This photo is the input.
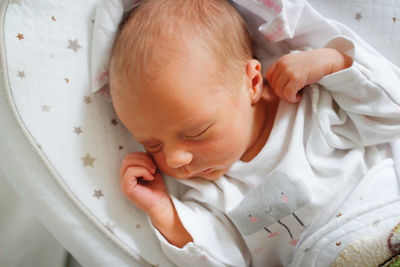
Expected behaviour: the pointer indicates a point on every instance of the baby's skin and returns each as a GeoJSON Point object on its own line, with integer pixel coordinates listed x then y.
{"type": "Point", "coordinates": [192, 125]}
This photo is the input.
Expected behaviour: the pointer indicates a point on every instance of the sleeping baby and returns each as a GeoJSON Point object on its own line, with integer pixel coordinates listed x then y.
{"type": "Point", "coordinates": [267, 157]}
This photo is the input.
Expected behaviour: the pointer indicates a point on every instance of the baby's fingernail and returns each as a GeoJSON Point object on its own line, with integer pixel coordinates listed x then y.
{"type": "Point", "coordinates": [153, 170]}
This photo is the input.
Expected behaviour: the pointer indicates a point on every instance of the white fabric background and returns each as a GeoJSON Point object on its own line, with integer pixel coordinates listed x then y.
{"type": "Point", "coordinates": [23, 239]}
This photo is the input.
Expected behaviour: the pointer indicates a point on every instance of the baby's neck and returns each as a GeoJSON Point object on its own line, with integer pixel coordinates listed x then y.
{"type": "Point", "coordinates": [264, 116]}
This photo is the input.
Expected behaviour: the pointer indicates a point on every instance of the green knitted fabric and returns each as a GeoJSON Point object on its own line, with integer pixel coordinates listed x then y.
{"type": "Point", "coordinates": [394, 262]}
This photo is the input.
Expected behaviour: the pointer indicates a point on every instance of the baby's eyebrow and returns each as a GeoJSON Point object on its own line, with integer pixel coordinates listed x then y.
{"type": "Point", "coordinates": [143, 140]}
{"type": "Point", "coordinates": [146, 141]}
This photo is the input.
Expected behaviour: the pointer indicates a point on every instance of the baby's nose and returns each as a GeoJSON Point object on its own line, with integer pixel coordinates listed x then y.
{"type": "Point", "coordinates": [179, 158]}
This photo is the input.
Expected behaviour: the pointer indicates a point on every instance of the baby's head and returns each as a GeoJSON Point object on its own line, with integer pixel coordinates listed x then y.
{"type": "Point", "coordinates": [184, 83]}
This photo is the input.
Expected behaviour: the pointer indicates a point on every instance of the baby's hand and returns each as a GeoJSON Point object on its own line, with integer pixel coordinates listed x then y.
{"type": "Point", "coordinates": [292, 72]}
{"type": "Point", "coordinates": [141, 183]}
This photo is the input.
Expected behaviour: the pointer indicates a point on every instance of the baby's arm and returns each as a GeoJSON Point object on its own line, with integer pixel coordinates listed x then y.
{"type": "Point", "coordinates": [359, 105]}
{"type": "Point", "coordinates": [215, 240]}
{"type": "Point", "coordinates": [145, 187]}
{"type": "Point", "coordinates": [292, 72]}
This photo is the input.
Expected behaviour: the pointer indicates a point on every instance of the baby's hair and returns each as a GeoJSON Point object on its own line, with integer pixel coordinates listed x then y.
{"type": "Point", "coordinates": [153, 30]}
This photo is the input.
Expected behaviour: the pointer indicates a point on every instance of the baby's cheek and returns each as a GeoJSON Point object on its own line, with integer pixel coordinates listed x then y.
{"type": "Point", "coordinates": [159, 160]}
{"type": "Point", "coordinates": [225, 149]}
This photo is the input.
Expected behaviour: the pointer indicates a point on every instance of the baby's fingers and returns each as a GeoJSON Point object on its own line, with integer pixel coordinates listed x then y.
{"type": "Point", "coordinates": [130, 178]}
{"type": "Point", "coordinates": [137, 160]}
{"type": "Point", "coordinates": [290, 92]}
{"type": "Point", "coordinates": [143, 195]}
{"type": "Point", "coordinates": [279, 85]}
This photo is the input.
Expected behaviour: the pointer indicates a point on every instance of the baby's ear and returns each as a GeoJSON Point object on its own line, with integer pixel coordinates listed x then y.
{"type": "Point", "coordinates": [254, 80]}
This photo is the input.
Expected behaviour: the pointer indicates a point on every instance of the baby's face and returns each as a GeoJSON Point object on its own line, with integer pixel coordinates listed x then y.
{"type": "Point", "coordinates": [192, 124]}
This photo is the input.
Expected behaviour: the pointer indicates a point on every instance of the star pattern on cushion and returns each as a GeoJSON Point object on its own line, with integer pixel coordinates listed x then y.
{"type": "Point", "coordinates": [21, 74]}
{"type": "Point", "coordinates": [88, 160]}
{"type": "Point", "coordinates": [98, 194]}
{"type": "Point", "coordinates": [358, 16]}
{"type": "Point", "coordinates": [376, 222]}
{"type": "Point", "coordinates": [87, 100]}
{"type": "Point", "coordinates": [46, 108]}
{"type": "Point", "coordinates": [77, 130]}
{"type": "Point", "coordinates": [74, 45]}
{"type": "Point", "coordinates": [20, 36]}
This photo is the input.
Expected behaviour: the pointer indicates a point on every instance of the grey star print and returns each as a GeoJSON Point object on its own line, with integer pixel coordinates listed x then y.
{"type": "Point", "coordinates": [21, 74]}
{"type": "Point", "coordinates": [88, 160]}
{"type": "Point", "coordinates": [74, 45]}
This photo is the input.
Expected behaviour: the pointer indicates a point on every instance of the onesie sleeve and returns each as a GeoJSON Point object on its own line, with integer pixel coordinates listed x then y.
{"type": "Point", "coordinates": [216, 242]}
{"type": "Point", "coordinates": [361, 104]}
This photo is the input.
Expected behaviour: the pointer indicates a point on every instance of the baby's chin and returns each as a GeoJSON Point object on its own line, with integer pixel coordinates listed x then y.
{"type": "Point", "coordinates": [214, 175]}
{"type": "Point", "coordinates": [211, 175]}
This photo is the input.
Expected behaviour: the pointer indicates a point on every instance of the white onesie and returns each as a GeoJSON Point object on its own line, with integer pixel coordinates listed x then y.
{"type": "Point", "coordinates": [325, 160]}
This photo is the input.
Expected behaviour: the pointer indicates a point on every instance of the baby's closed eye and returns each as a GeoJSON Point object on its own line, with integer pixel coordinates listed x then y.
{"type": "Point", "coordinates": [153, 147]}
{"type": "Point", "coordinates": [198, 134]}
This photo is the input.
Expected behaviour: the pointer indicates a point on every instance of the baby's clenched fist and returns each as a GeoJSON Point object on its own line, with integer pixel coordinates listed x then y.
{"type": "Point", "coordinates": [141, 183]}
{"type": "Point", "coordinates": [292, 72]}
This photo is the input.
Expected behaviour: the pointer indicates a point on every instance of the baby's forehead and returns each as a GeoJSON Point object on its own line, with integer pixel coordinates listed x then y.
{"type": "Point", "coordinates": [178, 95]}
{"type": "Point", "coordinates": [164, 113]}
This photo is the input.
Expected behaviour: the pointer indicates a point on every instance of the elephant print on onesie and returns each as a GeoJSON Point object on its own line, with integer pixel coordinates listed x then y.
{"type": "Point", "coordinates": [279, 196]}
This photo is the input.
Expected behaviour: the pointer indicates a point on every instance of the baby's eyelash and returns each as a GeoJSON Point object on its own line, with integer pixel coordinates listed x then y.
{"type": "Point", "coordinates": [155, 146]}
{"type": "Point", "coordinates": [151, 149]}
{"type": "Point", "coordinates": [199, 134]}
